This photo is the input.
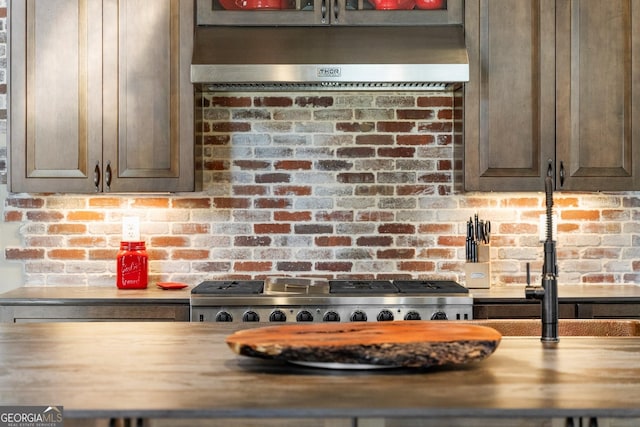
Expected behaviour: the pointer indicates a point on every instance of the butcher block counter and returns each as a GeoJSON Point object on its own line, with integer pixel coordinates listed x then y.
{"type": "Point", "coordinates": [185, 370]}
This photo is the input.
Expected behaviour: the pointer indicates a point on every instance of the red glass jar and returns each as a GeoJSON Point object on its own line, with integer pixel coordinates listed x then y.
{"type": "Point", "coordinates": [133, 265]}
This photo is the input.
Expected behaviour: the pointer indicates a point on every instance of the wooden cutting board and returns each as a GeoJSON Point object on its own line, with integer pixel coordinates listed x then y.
{"type": "Point", "coordinates": [415, 344]}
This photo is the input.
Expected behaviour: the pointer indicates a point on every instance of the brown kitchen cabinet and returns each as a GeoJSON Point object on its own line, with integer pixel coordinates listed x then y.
{"type": "Point", "coordinates": [322, 12]}
{"type": "Point", "coordinates": [100, 96]}
{"type": "Point", "coordinates": [608, 310]}
{"type": "Point", "coordinates": [528, 309]}
{"type": "Point", "coordinates": [93, 304]}
{"type": "Point", "coordinates": [70, 312]}
{"type": "Point", "coordinates": [522, 310]}
{"type": "Point", "coordinates": [553, 84]}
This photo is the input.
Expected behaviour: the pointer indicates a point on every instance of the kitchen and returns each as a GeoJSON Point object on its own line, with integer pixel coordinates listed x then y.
{"type": "Point", "coordinates": [331, 184]}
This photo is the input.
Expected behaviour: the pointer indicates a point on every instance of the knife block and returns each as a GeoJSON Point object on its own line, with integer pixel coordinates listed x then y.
{"type": "Point", "coordinates": [478, 274]}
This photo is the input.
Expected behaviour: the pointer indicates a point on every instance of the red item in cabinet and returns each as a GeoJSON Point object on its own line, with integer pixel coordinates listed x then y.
{"type": "Point", "coordinates": [133, 265]}
{"type": "Point", "coordinates": [253, 4]}
{"type": "Point", "coordinates": [430, 4]}
{"type": "Point", "coordinates": [393, 4]}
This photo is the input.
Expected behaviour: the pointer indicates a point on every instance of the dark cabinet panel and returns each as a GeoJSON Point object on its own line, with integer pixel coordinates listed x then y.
{"type": "Point", "coordinates": [608, 311]}
{"type": "Point", "coordinates": [597, 52]}
{"type": "Point", "coordinates": [566, 310]}
{"type": "Point", "coordinates": [100, 98]}
{"type": "Point", "coordinates": [553, 84]}
{"type": "Point", "coordinates": [509, 106]}
{"type": "Point", "coordinates": [32, 313]}
{"type": "Point", "coordinates": [55, 110]}
{"type": "Point", "coordinates": [525, 310]}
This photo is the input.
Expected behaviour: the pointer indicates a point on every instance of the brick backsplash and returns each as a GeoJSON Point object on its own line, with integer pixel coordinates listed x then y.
{"type": "Point", "coordinates": [3, 87]}
{"type": "Point", "coordinates": [323, 184]}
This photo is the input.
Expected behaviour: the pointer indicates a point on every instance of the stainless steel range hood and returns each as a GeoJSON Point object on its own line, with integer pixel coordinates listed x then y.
{"type": "Point", "coordinates": [329, 58]}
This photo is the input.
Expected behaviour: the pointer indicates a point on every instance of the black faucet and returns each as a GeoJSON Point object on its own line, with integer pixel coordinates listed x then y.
{"type": "Point", "coordinates": [548, 292]}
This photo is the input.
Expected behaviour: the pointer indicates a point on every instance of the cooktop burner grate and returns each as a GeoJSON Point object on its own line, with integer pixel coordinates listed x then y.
{"type": "Point", "coordinates": [337, 287]}
{"type": "Point", "coordinates": [430, 287]}
{"type": "Point", "coordinates": [362, 287]}
{"type": "Point", "coordinates": [229, 287]}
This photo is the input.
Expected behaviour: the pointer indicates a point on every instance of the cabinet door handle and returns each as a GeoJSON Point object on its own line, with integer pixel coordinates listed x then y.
{"type": "Point", "coordinates": [336, 10]}
{"type": "Point", "coordinates": [96, 177]}
{"type": "Point", "coordinates": [561, 174]}
{"type": "Point", "coordinates": [107, 176]}
{"type": "Point", "coordinates": [323, 11]}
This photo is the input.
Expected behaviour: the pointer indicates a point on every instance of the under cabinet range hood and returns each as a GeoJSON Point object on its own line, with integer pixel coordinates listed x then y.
{"type": "Point", "coordinates": [329, 58]}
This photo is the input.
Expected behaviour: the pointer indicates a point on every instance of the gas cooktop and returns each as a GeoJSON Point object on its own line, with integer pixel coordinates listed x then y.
{"type": "Point", "coordinates": [292, 285]}
{"type": "Point", "coordinates": [291, 299]}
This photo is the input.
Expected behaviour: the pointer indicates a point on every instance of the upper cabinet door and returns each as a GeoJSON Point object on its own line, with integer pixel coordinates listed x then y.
{"type": "Point", "coordinates": [100, 96]}
{"type": "Point", "coordinates": [55, 91]}
{"type": "Point", "coordinates": [329, 12]}
{"type": "Point", "coordinates": [598, 105]}
{"type": "Point", "coordinates": [509, 99]}
{"type": "Point", "coordinates": [148, 96]}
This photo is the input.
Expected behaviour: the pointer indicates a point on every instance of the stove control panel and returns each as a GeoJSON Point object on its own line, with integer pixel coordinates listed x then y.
{"type": "Point", "coordinates": [300, 314]}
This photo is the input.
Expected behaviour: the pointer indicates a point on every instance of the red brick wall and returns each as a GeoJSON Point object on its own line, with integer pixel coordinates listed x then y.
{"type": "Point", "coordinates": [323, 184]}
{"type": "Point", "coordinates": [3, 88]}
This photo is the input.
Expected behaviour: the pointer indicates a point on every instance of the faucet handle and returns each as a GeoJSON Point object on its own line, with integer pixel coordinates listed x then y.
{"type": "Point", "coordinates": [532, 292]}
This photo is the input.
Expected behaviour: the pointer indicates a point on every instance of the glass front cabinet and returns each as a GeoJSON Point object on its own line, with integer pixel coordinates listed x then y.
{"type": "Point", "coordinates": [329, 12]}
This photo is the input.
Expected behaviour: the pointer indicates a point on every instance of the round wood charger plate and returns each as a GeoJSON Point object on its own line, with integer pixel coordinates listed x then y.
{"type": "Point", "coordinates": [412, 344]}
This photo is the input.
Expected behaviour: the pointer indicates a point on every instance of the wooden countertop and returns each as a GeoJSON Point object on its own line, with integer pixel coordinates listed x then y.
{"type": "Point", "coordinates": [157, 370]}
{"type": "Point", "coordinates": [55, 295]}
